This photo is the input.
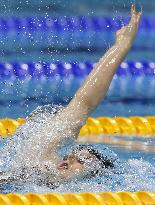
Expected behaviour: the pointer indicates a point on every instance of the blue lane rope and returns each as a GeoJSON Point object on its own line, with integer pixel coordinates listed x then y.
{"type": "Point", "coordinates": [61, 80]}
{"type": "Point", "coordinates": [37, 70]}
{"type": "Point", "coordinates": [100, 23]}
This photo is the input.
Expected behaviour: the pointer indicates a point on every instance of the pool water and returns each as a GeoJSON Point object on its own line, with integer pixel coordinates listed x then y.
{"type": "Point", "coordinates": [134, 165]}
{"type": "Point", "coordinates": [136, 172]}
{"type": "Point", "coordinates": [29, 44]}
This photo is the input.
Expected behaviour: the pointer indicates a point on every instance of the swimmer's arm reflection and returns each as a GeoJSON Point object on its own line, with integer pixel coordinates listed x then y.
{"type": "Point", "coordinates": [96, 84]}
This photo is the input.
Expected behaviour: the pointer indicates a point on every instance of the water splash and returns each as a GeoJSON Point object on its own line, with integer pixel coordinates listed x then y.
{"type": "Point", "coordinates": [29, 147]}
{"type": "Point", "coordinates": [28, 150]}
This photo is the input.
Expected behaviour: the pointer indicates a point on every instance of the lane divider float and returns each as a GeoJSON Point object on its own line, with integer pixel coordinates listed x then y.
{"type": "Point", "coordinates": [80, 69]}
{"type": "Point", "coordinates": [67, 24]}
{"type": "Point", "coordinates": [102, 198]}
{"type": "Point", "coordinates": [126, 126]}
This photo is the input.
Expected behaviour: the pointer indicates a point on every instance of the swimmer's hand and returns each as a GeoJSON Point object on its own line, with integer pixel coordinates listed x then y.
{"type": "Point", "coordinates": [126, 34]}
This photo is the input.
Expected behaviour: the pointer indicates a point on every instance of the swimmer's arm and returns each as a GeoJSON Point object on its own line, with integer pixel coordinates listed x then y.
{"type": "Point", "coordinates": [96, 84]}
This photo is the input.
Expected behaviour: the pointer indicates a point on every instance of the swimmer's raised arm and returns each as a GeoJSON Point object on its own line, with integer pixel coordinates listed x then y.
{"type": "Point", "coordinates": [96, 84]}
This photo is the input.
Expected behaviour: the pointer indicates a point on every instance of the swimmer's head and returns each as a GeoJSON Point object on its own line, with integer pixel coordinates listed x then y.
{"type": "Point", "coordinates": [86, 158]}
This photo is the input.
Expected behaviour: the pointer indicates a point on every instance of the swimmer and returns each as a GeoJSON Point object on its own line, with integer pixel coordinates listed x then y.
{"type": "Point", "coordinates": [74, 116]}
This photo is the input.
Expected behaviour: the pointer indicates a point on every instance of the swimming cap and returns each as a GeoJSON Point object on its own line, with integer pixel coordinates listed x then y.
{"type": "Point", "coordinates": [104, 154]}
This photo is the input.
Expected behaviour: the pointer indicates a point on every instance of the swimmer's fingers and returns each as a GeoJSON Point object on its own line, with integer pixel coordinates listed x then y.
{"type": "Point", "coordinates": [129, 31]}
{"type": "Point", "coordinates": [133, 10]}
{"type": "Point", "coordinates": [135, 17]}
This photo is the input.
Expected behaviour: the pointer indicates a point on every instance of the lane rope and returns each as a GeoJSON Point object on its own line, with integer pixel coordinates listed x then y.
{"type": "Point", "coordinates": [86, 198]}
{"type": "Point", "coordinates": [81, 69]}
{"type": "Point", "coordinates": [63, 24]}
{"type": "Point", "coordinates": [131, 126]}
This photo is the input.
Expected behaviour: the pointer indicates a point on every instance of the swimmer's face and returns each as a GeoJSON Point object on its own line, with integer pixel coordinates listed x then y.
{"type": "Point", "coordinates": [74, 164]}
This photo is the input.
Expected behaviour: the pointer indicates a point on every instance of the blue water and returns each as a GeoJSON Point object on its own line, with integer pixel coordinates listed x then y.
{"type": "Point", "coordinates": [19, 98]}
{"type": "Point", "coordinates": [68, 45]}
{"type": "Point", "coordinates": [134, 170]}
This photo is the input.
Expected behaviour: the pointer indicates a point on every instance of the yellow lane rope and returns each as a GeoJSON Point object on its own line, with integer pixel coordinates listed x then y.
{"type": "Point", "coordinates": [142, 126]}
{"type": "Point", "coordinates": [102, 198]}
{"type": "Point", "coordinates": [135, 125]}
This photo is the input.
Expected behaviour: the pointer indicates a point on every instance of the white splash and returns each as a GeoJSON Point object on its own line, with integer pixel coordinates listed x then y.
{"type": "Point", "coordinates": [25, 157]}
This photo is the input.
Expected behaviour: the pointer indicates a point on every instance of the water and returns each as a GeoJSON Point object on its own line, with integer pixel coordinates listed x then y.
{"type": "Point", "coordinates": [22, 44]}
{"type": "Point", "coordinates": [136, 173]}
{"type": "Point", "coordinates": [20, 97]}
{"type": "Point", "coordinates": [78, 45]}
{"type": "Point", "coordinates": [134, 170]}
